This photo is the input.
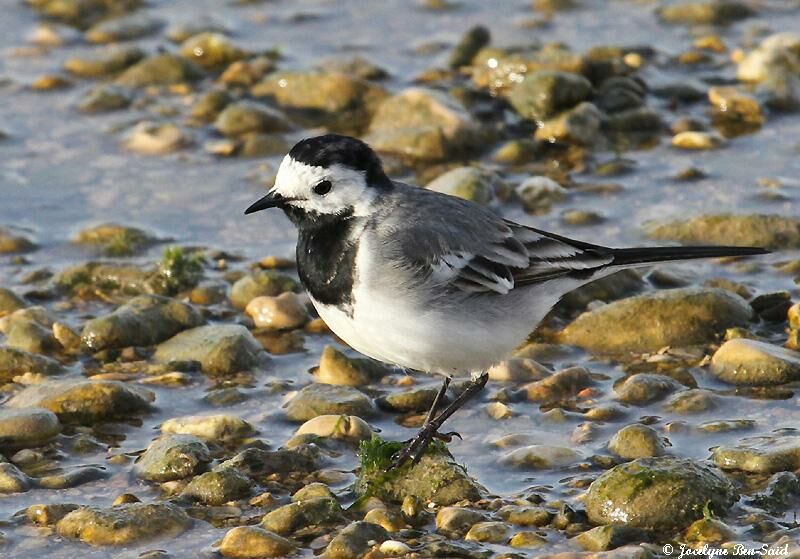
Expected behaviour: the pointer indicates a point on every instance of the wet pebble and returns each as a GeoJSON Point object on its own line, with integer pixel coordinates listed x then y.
{"type": "Point", "coordinates": [287, 519]}
{"type": "Point", "coordinates": [160, 69]}
{"type": "Point", "coordinates": [540, 95]}
{"type": "Point", "coordinates": [538, 194]}
{"type": "Point", "coordinates": [488, 532]}
{"type": "Point", "coordinates": [346, 427]}
{"type": "Point", "coordinates": [355, 540]}
{"type": "Point", "coordinates": [636, 441]}
{"type": "Point", "coordinates": [704, 12]}
{"type": "Point", "coordinates": [328, 399]}
{"type": "Point", "coordinates": [755, 363]}
{"type": "Point", "coordinates": [559, 385]}
{"type": "Point", "coordinates": [103, 63]}
{"type": "Point", "coordinates": [469, 183]}
{"type": "Point", "coordinates": [766, 456]}
{"type": "Point", "coordinates": [540, 457]}
{"type": "Point", "coordinates": [770, 231]}
{"type": "Point", "coordinates": [105, 98]}
{"type": "Point", "coordinates": [610, 536]}
{"type": "Point", "coordinates": [244, 117]}
{"type": "Point", "coordinates": [518, 369]}
{"type": "Point", "coordinates": [12, 479]}
{"type": "Point", "coordinates": [123, 524]}
{"type": "Point", "coordinates": [10, 301]}
{"type": "Point", "coordinates": [697, 140]}
{"type": "Point", "coordinates": [85, 401]}
{"type": "Point", "coordinates": [662, 493]}
{"type": "Point", "coordinates": [27, 427]}
{"type": "Point", "coordinates": [211, 50]}
{"type": "Point", "coordinates": [695, 400]}
{"type": "Point", "coordinates": [334, 99]}
{"type": "Point", "coordinates": [455, 521]}
{"type": "Point", "coordinates": [172, 457]}
{"type": "Point", "coordinates": [218, 487]}
{"type": "Point", "coordinates": [143, 321]}
{"type": "Point", "coordinates": [219, 428]}
{"type": "Point", "coordinates": [252, 542]}
{"type": "Point", "coordinates": [156, 138]}
{"type": "Point", "coordinates": [14, 243]}
{"type": "Point", "coordinates": [125, 28]}
{"type": "Point", "coordinates": [675, 317]}
{"type": "Point", "coordinates": [284, 312]}
{"type": "Point", "coordinates": [424, 125]}
{"type": "Point", "coordinates": [645, 388]}
{"type": "Point", "coordinates": [417, 400]}
{"type": "Point", "coordinates": [580, 125]}
{"type": "Point", "coordinates": [261, 283]}
{"type": "Point", "coordinates": [219, 348]}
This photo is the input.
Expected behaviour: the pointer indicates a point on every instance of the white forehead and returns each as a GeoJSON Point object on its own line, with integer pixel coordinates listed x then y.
{"type": "Point", "coordinates": [296, 179]}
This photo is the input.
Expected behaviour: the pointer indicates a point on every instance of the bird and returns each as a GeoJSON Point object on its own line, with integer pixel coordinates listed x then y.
{"type": "Point", "coordinates": [424, 280]}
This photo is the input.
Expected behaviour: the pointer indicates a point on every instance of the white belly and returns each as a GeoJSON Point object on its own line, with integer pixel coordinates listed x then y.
{"type": "Point", "coordinates": [390, 322]}
{"type": "Point", "coordinates": [425, 340]}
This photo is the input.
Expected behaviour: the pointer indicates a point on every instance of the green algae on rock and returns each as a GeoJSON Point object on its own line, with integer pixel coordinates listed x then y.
{"type": "Point", "coordinates": [645, 323]}
{"type": "Point", "coordinates": [754, 230]}
{"type": "Point", "coordinates": [124, 524]}
{"type": "Point", "coordinates": [436, 478]}
{"type": "Point", "coordinates": [219, 348]}
{"type": "Point", "coordinates": [85, 401]}
{"type": "Point", "coordinates": [143, 321]}
{"type": "Point", "coordinates": [660, 494]}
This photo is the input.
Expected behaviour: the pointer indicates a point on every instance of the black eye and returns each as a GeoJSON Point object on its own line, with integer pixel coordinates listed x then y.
{"type": "Point", "coordinates": [323, 188]}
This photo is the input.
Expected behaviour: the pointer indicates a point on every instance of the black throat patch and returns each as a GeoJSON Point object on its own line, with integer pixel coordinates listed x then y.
{"type": "Point", "coordinates": [326, 256]}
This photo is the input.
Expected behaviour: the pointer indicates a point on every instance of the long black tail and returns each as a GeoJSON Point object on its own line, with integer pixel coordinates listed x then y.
{"type": "Point", "coordinates": [646, 255]}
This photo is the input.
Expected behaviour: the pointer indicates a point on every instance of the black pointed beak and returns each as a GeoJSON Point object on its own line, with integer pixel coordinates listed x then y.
{"type": "Point", "coordinates": [271, 200]}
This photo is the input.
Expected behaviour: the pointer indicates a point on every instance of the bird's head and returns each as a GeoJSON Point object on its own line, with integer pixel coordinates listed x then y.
{"type": "Point", "coordinates": [326, 176]}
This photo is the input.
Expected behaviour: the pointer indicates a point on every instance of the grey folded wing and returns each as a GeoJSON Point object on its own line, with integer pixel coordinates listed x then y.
{"type": "Point", "coordinates": [475, 251]}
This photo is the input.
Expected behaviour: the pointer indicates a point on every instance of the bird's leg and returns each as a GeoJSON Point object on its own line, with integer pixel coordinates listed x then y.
{"type": "Point", "coordinates": [416, 447]}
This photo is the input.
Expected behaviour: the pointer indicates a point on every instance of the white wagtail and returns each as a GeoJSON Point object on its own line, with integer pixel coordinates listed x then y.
{"type": "Point", "coordinates": [424, 280]}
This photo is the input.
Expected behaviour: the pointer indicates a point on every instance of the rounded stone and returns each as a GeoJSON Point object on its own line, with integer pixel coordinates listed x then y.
{"type": "Point", "coordinates": [636, 441]}
{"type": "Point", "coordinates": [348, 427]}
{"type": "Point", "coordinates": [646, 323]}
{"type": "Point", "coordinates": [663, 493]}
{"type": "Point", "coordinates": [284, 312]}
{"type": "Point", "coordinates": [86, 401]}
{"type": "Point", "coordinates": [328, 399]}
{"type": "Point", "coordinates": [27, 427]}
{"type": "Point", "coordinates": [219, 428]}
{"type": "Point", "coordinates": [252, 542]}
{"type": "Point", "coordinates": [218, 487]}
{"type": "Point", "coordinates": [124, 524]}
{"type": "Point", "coordinates": [754, 363]}
{"type": "Point", "coordinates": [172, 457]}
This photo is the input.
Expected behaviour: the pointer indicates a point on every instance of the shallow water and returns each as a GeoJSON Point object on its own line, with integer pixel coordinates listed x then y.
{"type": "Point", "coordinates": [61, 172]}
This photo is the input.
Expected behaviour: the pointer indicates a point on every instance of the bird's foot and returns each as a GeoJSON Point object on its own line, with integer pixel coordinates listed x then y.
{"type": "Point", "coordinates": [416, 447]}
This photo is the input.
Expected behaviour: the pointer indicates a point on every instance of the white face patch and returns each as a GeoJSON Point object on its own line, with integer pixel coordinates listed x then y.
{"type": "Point", "coordinates": [296, 180]}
